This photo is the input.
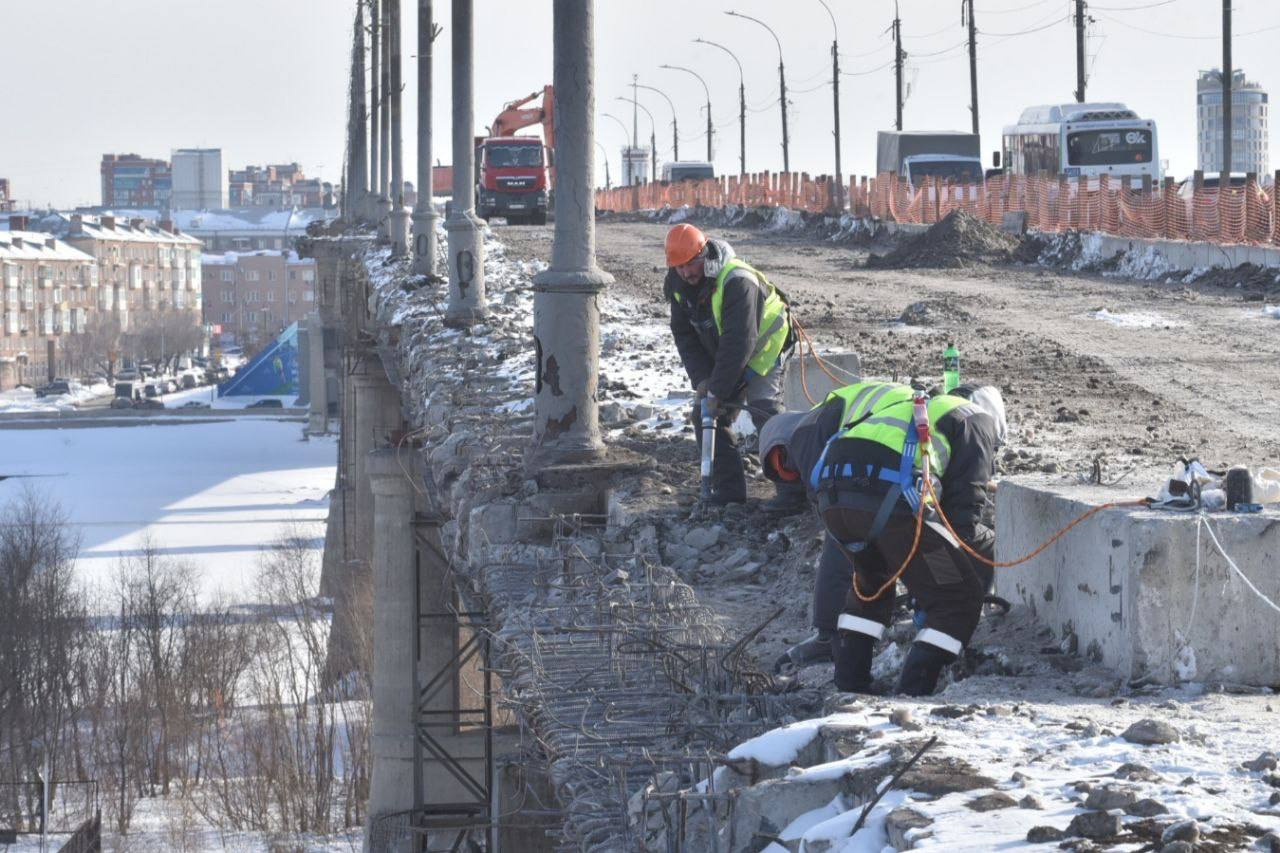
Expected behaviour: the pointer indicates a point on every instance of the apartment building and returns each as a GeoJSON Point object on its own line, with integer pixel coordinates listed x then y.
{"type": "Point", "coordinates": [142, 267]}
{"type": "Point", "coordinates": [252, 296]}
{"type": "Point", "coordinates": [48, 290]}
{"type": "Point", "coordinates": [279, 185]}
{"type": "Point", "coordinates": [132, 181]}
{"type": "Point", "coordinates": [198, 179]}
{"type": "Point", "coordinates": [6, 197]}
{"type": "Point", "coordinates": [1250, 140]}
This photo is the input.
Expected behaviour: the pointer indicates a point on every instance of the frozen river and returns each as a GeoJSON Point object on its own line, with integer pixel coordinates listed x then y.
{"type": "Point", "coordinates": [211, 494]}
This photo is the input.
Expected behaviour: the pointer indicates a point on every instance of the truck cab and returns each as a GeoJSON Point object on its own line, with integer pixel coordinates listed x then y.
{"type": "Point", "coordinates": [938, 155]}
{"type": "Point", "coordinates": [512, 179]}
{"type": "Point", "coordinates": [687, 170]}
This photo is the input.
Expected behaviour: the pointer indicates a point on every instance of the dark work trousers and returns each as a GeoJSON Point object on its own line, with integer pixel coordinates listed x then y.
{"type": "Point", "coordinates": [945, 583]}
{"type": "Point", "coordinates": [761, 396]}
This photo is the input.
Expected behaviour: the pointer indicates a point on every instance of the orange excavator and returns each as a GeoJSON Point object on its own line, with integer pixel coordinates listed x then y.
{"type": "Point", "coordinates": [514, 175]}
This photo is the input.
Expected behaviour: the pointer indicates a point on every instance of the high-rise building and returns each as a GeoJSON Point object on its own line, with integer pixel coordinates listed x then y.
{"type": "Point", "coordinates": [1250, 142]}
{"type": "Point", "coordinates": [132, 181]}
{"type": "Point", "coordinates": [6, 200]}
{"type": "Point", "coordinates": [279, 186]}
{"type": "Point", "coordinates": [198, 180]}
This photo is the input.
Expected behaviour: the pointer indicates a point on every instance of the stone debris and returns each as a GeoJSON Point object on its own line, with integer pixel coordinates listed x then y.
{"type": "Point", "coordinates": [1151, 732]}
{"type": "Point", "coordinates": [959, 240]}
{"type": "Point", "coordinates": [991, 802]}
{"type": "Point", "coordinates": [1183, 830]}
{"type": "Point", "coordinates": [1094, 825]}
{"type": "Point", "coordinates": [1107, 798]}
{"type": "Point", "coordinates": [1265, 761]}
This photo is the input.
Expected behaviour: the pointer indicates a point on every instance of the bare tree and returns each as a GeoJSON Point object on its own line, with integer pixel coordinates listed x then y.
{"type": "Point", "coordinates": [98, 349]}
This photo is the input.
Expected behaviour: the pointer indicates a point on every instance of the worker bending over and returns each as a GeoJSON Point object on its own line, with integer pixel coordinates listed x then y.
{"type": "Point", "coordinates": [732, 329]}
{"type": "Point", "coordinates": [857, 454]}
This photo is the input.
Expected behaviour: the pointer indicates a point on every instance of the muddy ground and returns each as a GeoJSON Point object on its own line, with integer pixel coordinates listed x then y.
{"type": "Point", "coordinates": [1194, 374]}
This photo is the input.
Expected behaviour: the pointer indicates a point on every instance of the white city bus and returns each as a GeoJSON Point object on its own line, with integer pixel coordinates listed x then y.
{"type": "Point", "coordinates": [1082, 141]}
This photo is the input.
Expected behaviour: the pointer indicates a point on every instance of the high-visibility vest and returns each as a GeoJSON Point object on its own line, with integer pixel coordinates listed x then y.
{"type": "Point", "coordinates": [771, 336]}
{"type": "Point", "coordinates": [881, 412]}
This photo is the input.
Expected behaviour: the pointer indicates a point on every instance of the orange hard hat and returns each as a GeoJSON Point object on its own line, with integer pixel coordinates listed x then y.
{"type": "Point", "coordinates": [684, 242]}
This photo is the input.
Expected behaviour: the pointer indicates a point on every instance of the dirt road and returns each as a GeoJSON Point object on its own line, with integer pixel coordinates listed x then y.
{"type": "Point", "coordinates": [1135, 373]}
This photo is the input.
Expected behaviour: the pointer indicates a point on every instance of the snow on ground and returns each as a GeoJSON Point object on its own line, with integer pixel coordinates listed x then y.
{"type": "Point", "coordinates": [1134, 319]}
{"type": "Point", "coordinates": [1272, 311]}
{"type": "Point", "coordinates": [211, 494]}
{"type": "Point", "coordinates": [25, 400]}
{"type": "Point", "coordinates": [209, 394]}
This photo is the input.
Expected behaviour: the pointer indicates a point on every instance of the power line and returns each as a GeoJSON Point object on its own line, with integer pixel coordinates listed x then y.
{"type": "Point", "coordinates": [866, 53]}
{"type": "Point", "coordinates": [937, 52]}
{"type": "Point", "coordinates": [1131, 8]}
{"type": "Point", "coordinates": [945, 29]}
{"type": "Point", "coordinates": [1052, 23]}
{"type": "Point", "coordinates": [868, 71]}
{"type": "Point", "coordinates": [1015, 9]}
{"type": "Point", "coordinates": [1186, 37]}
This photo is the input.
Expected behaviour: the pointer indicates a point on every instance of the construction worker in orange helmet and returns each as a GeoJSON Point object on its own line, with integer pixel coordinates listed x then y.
{"type": "Point", "coordinates": [733, 331]}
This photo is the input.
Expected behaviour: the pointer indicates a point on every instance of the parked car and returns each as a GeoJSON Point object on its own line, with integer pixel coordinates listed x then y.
{"type": "Point", "coordinates": [54, 388]}
{"type": "Point", "coordinates": [150, 390]}
{"type": "Point", "coordinates": [122, 403]}
{"type": "Point", "coordinates": [148, 404]}
{"type": "Point", "coordinates": [195, 404]}
{"type": "Point", "coordinates": [265, 403]}
{"type": "Point", "coordinates": [188, 381]}
{"type": "Point", "coordinates": [124, 390]}
{"type": "Point", "coordinates": [128, 375]}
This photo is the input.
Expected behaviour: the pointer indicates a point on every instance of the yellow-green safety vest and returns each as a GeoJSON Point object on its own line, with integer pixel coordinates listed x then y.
{"type": "Point", "coordinates": [882, 412]}
{"type": "Point", "coordinates": [771, 336]}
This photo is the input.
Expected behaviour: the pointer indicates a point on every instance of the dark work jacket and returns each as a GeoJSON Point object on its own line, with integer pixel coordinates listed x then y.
{"type": "Point", "coordinates": [972, 435]}
{"type": "Point", "coordinates": [720, 357]}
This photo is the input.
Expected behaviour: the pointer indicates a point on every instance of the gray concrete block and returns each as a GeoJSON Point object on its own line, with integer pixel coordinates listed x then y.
{"type": "Point", "coordinates": [1124, 582]}
{"type": "Point", "coordinates": [846, 366]}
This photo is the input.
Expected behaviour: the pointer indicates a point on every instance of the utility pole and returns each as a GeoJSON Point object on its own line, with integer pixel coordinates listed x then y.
{"type": "Point", "coordinates": [1225, 181]}
{"type": "Point", "coordinates": [467, 301]}
{"type": "Point", "coordinates": [1080, 22]}
{"type": "Point", "coordinates": [566, 299]}
{"type": "Point", "coordinates": [635, 113]}
{"type": "Point", "coordinates": [653, 132]}
{"type": "Point", "coordinates": [742, 106]}
{"type": "Point", "coordinates": [424, 212]}
{"type": "Point", "coordinates": [355, 198]}
{"type": "Point", "coordinates": [375, 107]}
{"type": "Point", "coordinates": [898, 57]}
{"type": "Point", "coordinates": [398, 225]}
{"type": "Point", "coordinates": [782, 87]}
{"type": "Point", "coordinates": [973, 67]}
{"type": "Point", "coordinates": [626, 160]}
{"type": "Point", "coordinates": [837, 197]}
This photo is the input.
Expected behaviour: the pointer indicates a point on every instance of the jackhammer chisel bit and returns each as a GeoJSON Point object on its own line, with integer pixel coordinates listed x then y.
{"type": "Point", "coordinates": [707, 407]}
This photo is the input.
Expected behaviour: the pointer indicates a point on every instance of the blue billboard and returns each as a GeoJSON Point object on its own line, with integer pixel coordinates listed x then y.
{"type": "Point", "coordinates": [272, 372]}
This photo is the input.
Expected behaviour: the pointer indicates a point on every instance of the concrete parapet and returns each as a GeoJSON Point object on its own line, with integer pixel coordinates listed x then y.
{"type": "Point", "coordinates": [1131, 588]}
{"type": "Point", "coordinates": [803, 378]}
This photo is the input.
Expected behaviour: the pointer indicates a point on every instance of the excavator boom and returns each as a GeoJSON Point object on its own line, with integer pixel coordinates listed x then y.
{"type": "Point", "coordinates": [516, 116]}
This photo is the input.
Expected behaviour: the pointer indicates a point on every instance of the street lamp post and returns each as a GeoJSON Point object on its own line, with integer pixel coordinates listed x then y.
{"type": "Point", "coordinates": [675, 129]}
{"type": "Point", "coordinates": [608, 182]}
{"type": "Point", "coordinates": [627, 177]}
{"type": "Point", "coordinates": [653, 135]}
{"type": "Point", "coordinates": [704, 89]}
{"type": "Point", "coordinates": [782, 87]}
{"type": "Point", "coordinates": [838, 195]}
{"type": "Point", "coordinates": [742, 106]}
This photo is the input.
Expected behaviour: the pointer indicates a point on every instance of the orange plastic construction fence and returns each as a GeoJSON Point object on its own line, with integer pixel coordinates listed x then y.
{"type": "Point", "coordinates": [1123, 208]}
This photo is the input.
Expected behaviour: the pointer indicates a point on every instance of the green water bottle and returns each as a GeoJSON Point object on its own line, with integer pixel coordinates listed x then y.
{"type": "Point", "coordinates": [950, 369]}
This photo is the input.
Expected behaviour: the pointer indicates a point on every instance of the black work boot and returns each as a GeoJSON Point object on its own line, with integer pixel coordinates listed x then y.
{"type": "Point", "coordinates": [789, 500]}
{"type": "Point", "coordinates": [852, 652]}
{"type": "Point", "coordinates": [728, 479]}
{"type": "Point", "coordinates": [815, 649]}
{"type": "Point", "coordinates": [921, 669]}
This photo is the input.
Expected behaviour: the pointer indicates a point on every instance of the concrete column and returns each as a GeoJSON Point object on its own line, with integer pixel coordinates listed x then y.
{"type": "Point", "coordinates": [375, 111]}
{"type": "Point", "coordinates": [566, 312]}
{"type": "Point", "coordinates": [394, 633]}
{"type": "Point", "coordinates": [424, 212]}
{"type": "Point", "coordinates": [318, 414]}
{"type": "Point", "coordinates": [375, 414]}
{"type": "Point", "coordinates": [384, 142]}
{"type": "Point", "coordinates": [466, 238]}
{"type": "Point", "coordinates": [399, 224]}
{"type": "Point", "coordinates": [357, 191]}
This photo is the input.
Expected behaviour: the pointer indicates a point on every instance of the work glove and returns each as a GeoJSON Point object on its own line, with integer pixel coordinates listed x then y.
{"type": "Point", "coordinates": [701, 388]}
{"type": "Point", "coordinates": [710, 405]}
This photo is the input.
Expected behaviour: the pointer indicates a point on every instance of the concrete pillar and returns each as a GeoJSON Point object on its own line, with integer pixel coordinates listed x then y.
{"type": "Point", "coordinates": [566, 311]}
{"type": "Point", "coordinates": [424, 212]}
{"type": "Point", "coordinates": [357, 191]}
{"type": "Point", "coordinates": [384, 141]}
{"type": "Point", "coordinates": [394, 633]}
{"type": "Point", "coordinates": [318, 414]}
{"type": "Point", "coordinates": [375, 112]}
{"type": "Point", "coordinates": [466, 238]}
{"type": "Point", "coordinates": [399, 223]}
{"type": "Point", "coordinates": [375, 414]}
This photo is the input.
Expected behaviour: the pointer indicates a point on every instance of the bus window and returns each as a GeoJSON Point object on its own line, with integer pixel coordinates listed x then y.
{"type": "Point", "coordinates": [1109, 147]}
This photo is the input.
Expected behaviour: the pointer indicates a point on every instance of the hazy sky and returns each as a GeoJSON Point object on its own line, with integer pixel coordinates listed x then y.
{"type": "Point", "coordinates": [266, 80]}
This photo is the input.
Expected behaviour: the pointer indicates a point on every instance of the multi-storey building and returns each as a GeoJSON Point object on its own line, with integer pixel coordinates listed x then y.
{"type": "Point", "coordinates": [6, 199]}
{"type": "Point", "coordinates": [142, 268]}
{"type": "Point", "coordinates": [279, 185]}
{"type": "Point", "coordinates": [132, 181]}
{"type": "Point", "coordinates": [1250, 143]}
{"type": "Point", "coordinates": [198, 179]}
{"type": "Point", "coordinates": [48, 291]}
{"type": "Point", "coordinates": [253, 296]}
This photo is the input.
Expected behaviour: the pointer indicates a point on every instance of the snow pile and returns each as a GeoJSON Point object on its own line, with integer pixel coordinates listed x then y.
{"type": "Point", "coordinates": [1271, 311]}
{"type": "Point", "coordinates": [1145, 263]}
{"type": "Point", "coordinates": [25, 399]}
{"type": "Point", "coordinates": [785, 220]}
{"type": "Point", "coordinates": [1134, 319]}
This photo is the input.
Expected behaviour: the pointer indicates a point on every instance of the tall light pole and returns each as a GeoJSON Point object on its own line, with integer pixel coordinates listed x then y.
{"type": "Point", "coordinates": [675, 129]}
{"type": "Point", "coordinates": [782, 88]}
{"type": "Point", "coordinates": [653, 135]}
{"type": "Point", "coordinates": [424, 211]}
{"type": "Point", "coordinates": [973, 65]}
{"type": "Point", "coordinates": [742, 106]}
{"type": "Point", "coordinates": [838, 196]}
{"type": "Point", "coordinates": [705, 89]}
{"type": "Point", "coordinates": [899, 56]}
{"type": "Point", "coordinates": [375, 108]}
{"type": "Point", "coordinates": [398, 224]}
{"type": "Point", "coordinates": [608, 182]}
{"type": "Point", "coordinates": [627, 178]}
